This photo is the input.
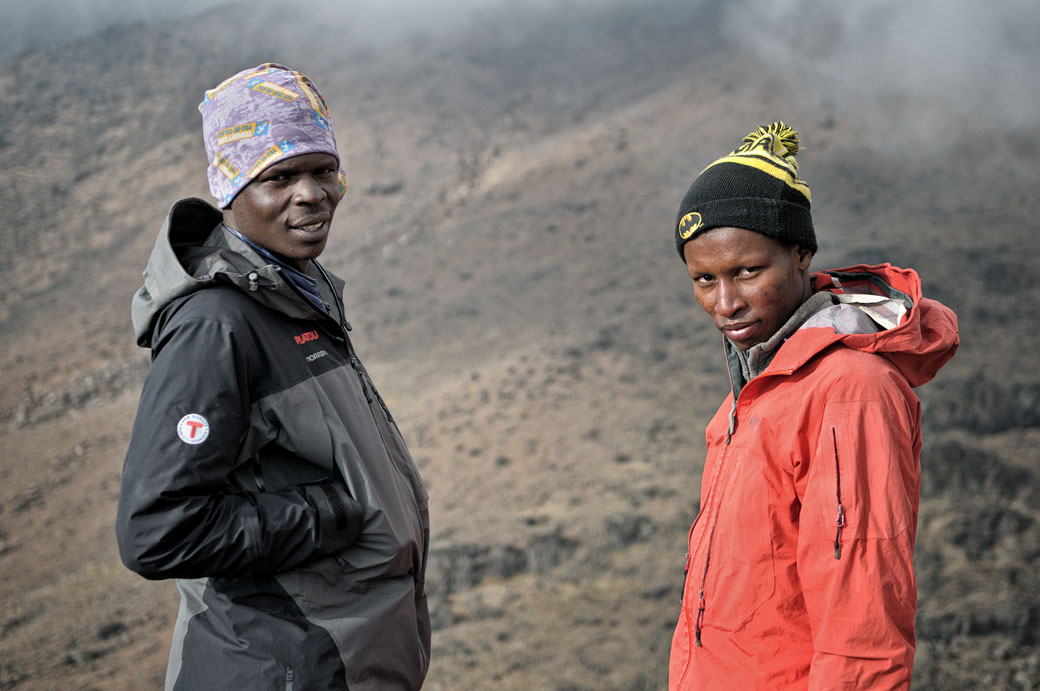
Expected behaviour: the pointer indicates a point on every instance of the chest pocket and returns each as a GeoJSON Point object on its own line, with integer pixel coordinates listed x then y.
{"type": "Point", "coordinates": [740, 564]}
{"type": "Point", "coordinates": [288, 442]}
{"type": "Point", "coordinates": [859, 482]}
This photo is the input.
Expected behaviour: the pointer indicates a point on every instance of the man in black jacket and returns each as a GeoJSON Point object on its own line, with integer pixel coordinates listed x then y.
{"type": "Point", "coordinates": [264, 471]}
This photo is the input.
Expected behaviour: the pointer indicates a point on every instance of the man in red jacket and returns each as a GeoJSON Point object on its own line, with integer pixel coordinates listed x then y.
{"type": "Point", "coordinates": [800, 565]}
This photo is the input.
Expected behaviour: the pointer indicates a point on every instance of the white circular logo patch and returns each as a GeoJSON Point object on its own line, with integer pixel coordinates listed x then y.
{"type": "Point", "coordinates": [193, 429]}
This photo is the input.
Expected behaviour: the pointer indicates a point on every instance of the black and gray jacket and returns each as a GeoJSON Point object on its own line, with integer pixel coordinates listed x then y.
{"type": "Point", "coordinates": [267, 476]}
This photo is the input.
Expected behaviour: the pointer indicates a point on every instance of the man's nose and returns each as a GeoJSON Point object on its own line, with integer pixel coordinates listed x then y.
{"type": "Point", "coordinates": [728, 299]}
{"type": "Point", "coordinates": [307, 190]}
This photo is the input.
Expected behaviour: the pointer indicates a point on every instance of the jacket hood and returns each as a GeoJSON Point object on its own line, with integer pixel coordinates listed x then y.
{"type": "Point", "coordinates": [194, 252]}
{"type": "Point", "coordinates": [877, 309]}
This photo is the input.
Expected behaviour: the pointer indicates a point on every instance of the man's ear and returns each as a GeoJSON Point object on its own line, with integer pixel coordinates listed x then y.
{"type": "Point", "coordinates": [805, 256]}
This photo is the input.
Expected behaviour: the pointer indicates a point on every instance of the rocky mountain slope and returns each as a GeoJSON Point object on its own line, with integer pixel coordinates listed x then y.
{"type": "Point", "coordinates": [506, 241]}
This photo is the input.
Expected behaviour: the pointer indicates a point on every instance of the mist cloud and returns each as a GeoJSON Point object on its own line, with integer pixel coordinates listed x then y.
{"type": "Point", "coordinates": [927, 62]}
{"type": "Point", "coordinates": [34, 24]}
{"type": "Point", "coordinates": [914, 66]}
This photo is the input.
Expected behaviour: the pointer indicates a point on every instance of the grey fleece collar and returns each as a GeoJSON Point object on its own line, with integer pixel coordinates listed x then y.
{"type": "Point", "coordinates": [746, 365]}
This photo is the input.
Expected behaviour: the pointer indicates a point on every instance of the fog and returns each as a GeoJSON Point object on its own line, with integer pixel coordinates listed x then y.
{"type": "Point", "coordinates": [964, 58]}
{"type": "Point", "coordinates": [35, 24]}
{"type": "Point", "coordinates": [913, 71]}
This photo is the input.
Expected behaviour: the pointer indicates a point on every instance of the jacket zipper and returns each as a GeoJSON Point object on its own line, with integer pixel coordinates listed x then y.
{"type": "Point", "coordinates": [345, 326]}
{"type": "Point", "coordinates": [715, 496]}
{"type": "Point", "coordinates": [366, 382]}
{"type": "Point", "coordinates": [369, 391]}
{"type": "Point", "coordinates": [711, 533]}
{"type": "Point", "coordinates": [840, 520]}
{"type": "Point", "coordinates": [717, 502]}
{"type": "Point", "coordinates": [704, 579]}
{"type": "Point", "coordinates": [699, 619]}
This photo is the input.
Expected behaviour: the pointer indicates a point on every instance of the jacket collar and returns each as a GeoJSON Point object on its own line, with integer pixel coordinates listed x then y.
{"type": "Point", "coordinates": [746, 365]}
{"type": "Point", "coordinates": [194, 251]}
{"type": "Point", "coordinates": [916, 334]}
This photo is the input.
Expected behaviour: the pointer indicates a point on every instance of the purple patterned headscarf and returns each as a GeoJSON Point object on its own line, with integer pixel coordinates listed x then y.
{"type": "Point", "coordinates": [259, 116]}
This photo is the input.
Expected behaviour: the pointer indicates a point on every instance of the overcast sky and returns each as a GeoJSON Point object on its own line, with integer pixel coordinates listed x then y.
{"type": "Point", "coordinates": [974, 58]}
{"type": "Point", "coordinates": [29, 24]}
{"type": "Point", "coordinates": [971, 57]}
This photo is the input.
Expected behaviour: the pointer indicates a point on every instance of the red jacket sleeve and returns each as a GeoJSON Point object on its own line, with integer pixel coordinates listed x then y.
{"type": "Point", "coordinates": [857, 526]}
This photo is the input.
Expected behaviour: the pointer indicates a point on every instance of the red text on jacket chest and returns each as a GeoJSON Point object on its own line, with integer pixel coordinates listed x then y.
{"type": "Point", "coordinates": [306, 337]}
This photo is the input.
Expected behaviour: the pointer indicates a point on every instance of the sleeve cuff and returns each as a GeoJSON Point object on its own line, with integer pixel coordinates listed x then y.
{"type": "Point", "coordinates": [340, 516]}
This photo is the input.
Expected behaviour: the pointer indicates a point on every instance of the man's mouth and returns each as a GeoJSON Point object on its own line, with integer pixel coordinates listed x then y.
{"type": "Point", "coordinates": [311, 225]}
{"type": "Point", "coordinates": [740, 330]}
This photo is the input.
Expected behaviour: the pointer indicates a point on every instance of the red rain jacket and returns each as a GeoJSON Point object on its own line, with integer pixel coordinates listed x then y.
{"type": "Point", "coordinates": [800, 566]}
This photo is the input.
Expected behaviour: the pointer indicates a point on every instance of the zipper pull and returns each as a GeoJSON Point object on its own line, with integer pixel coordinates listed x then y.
{"type": "Point", "coordinates": [361, 375]}
{"type": "Point", "coordinates": [840, 521]}
{"type": "Point", "coordinates": [253, 278]}
{"type": "Point", "coordinates": [700, 618]}
{"type": "Point", "coordinates": [837, 537]}
{"type": "Point", "coordinates": [685, 575]}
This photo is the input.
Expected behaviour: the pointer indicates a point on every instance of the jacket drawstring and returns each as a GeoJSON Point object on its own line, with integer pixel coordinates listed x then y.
{"type": "Point", "coordinates": [732, 421]}
{"type": "Point", "coordinates": [840, 521]}
{"type": "Point", "coordinates": [733, 409]}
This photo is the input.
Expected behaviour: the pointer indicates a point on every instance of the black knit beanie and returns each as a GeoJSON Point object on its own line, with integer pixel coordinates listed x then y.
{"type": "Point", "coordinates": [755, 188]}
